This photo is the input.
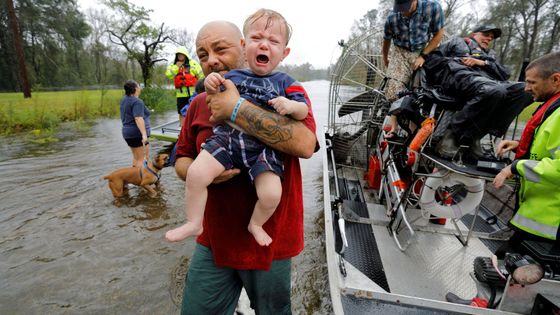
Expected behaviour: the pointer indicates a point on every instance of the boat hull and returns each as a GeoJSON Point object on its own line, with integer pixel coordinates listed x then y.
{"type": "Point", "coordinates": [167, 132]}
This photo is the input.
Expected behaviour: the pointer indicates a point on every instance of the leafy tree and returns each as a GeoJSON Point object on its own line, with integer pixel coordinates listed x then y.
{"type": "Point", "coordinates": [8, 79]}
{"type": "Point", "coordinates": [99, 47]}
{"type": "Point", "coordinates": [552, 23]}
{"type": "Point", "coordinates": [52, 32]}
{"type": "Point", "coordinates": [530, 29]}
{"type": "Point", "coordinates": [131, 30]}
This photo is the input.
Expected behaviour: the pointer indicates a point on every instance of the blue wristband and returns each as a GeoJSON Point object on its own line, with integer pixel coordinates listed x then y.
{"type": "Point", "coordinates": [236, 109]}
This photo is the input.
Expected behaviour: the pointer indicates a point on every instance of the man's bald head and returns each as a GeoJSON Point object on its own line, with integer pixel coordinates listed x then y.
{"type": "Point", "coordinates": [218, 46]}
{"type": "Point", "coordinates": [223, 26]}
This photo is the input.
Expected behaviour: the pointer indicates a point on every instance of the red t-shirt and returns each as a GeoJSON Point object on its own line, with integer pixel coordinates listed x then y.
{"type": "Point", "coordinates": [230, 204]}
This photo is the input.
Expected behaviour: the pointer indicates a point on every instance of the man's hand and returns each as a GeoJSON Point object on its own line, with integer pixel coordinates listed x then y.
{"type": "Point", "coordinates": [226, 175]}
{"type": "Point", "coordinates": [221, 104]}
{"type": "Point", "coordinates": [505, 146]}
{"type": "Point", "coordinates": [212, 83]}
{"type": "Point", "coordinates": [182, 165]}
{"type": "Point", "coordinates": [471, 62]}
{"type": "Point", "coordinates": [179, 63]}
{"type": "Point", "coordinates": [504, 174]}
{"type": "Point", "coordinates": [418, 63]}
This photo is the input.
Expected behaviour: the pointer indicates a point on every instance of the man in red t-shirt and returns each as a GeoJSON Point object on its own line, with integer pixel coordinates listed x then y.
{"type": "Point", "coordinates": [227, 257]}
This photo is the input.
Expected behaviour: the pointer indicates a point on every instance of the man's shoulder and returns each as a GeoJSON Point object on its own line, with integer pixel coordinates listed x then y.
{"type": "Point", "coordinates": [431, 8]}
{"type": "Point", "coordinates": [432, 3]}
{"type": "Point", "coordinates": [392, 16]}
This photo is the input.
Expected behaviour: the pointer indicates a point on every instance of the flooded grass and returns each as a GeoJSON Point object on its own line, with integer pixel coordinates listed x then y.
{"type": "Point", "coordinates": [45, 111]}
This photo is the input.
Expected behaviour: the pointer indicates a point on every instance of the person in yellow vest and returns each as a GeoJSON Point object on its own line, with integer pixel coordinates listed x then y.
{"type": "Point", "coordinates": [185, 73]}
{"type": "Point", "coordinates": [537, 157]}
{"type": "Point", "coordinates": [537, 163]}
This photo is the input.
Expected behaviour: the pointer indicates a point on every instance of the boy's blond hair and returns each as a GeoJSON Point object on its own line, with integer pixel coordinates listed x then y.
{"type": "Point", "coordinates": [271, 16]}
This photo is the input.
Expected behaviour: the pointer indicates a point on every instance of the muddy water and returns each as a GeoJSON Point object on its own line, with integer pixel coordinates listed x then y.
{"type": "Point", "coordinates": [66, 247]}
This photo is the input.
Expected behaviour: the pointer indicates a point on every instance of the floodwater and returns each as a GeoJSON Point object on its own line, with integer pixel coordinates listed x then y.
{"type": "Point", "coordinates": [67, 247]}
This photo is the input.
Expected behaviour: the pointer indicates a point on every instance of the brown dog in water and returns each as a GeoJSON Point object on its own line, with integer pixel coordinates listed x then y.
{"type": "Point", "coordinates": [145, 176]}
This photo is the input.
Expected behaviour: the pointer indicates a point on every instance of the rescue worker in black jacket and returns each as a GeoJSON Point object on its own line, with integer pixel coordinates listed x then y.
{"type": "Point", "coordinates": [467, 69]}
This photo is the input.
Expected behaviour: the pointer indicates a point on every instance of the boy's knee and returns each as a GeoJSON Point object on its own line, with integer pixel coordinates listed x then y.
{"type": "Point", "coordinates": [270, 198]}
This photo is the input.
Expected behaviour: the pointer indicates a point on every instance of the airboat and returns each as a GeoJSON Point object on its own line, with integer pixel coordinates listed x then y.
{"type": "Point", "coordinates": [167, 132]}
{"type": "Point", "coordinates": [406, 231]}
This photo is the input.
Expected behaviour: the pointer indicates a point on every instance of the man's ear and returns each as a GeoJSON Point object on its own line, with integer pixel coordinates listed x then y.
{"type": "Point", "coordinates": [556, 79]}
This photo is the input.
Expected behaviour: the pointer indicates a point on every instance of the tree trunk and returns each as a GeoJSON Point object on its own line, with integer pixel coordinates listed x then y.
{"type": "Point", "coordinates": [145, 72]}
{"type": "Point", "coordinates": [534, 29]}
{"type": "Point", "coordinates": [553, 34]}
{"type": "Point", "coordinates": [19, 49]}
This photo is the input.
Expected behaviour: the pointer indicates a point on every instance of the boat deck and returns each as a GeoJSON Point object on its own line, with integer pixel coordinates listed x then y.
{"type": "Point", "coordinates": [435, 262]}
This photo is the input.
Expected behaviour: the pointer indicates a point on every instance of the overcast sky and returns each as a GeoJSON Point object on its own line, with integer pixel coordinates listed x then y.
{"type": "Point", "coordinates": [317, 25]}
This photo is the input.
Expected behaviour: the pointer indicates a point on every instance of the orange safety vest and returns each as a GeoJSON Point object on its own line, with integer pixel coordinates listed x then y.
{"type": "Point", "coordinates": [185, 78]}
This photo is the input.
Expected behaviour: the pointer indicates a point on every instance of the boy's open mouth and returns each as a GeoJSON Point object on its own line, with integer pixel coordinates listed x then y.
{"type": "Point", "coordinates": [262, 59]}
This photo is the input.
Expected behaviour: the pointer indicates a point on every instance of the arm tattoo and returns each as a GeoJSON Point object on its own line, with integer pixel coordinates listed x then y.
{"type": "Point", "coordinates": [269, 127]}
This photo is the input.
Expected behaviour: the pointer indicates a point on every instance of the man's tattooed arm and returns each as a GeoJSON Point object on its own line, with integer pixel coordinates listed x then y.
{"type": "Point", "coordinates": [279, 132]}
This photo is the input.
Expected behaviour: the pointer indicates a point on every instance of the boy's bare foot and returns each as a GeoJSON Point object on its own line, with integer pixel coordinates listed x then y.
{"type": "Point", "coordinates": [260, 235]}
{"type": "Point", "coordinates": [186, 230]}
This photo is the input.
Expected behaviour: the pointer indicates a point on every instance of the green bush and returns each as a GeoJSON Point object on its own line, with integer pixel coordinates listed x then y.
{"type": "Point", "coordinates": [158, 99]}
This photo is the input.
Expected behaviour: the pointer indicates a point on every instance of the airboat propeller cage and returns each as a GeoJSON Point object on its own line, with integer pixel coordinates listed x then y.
{"type": "Point", "coordinates": [473, 186]}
